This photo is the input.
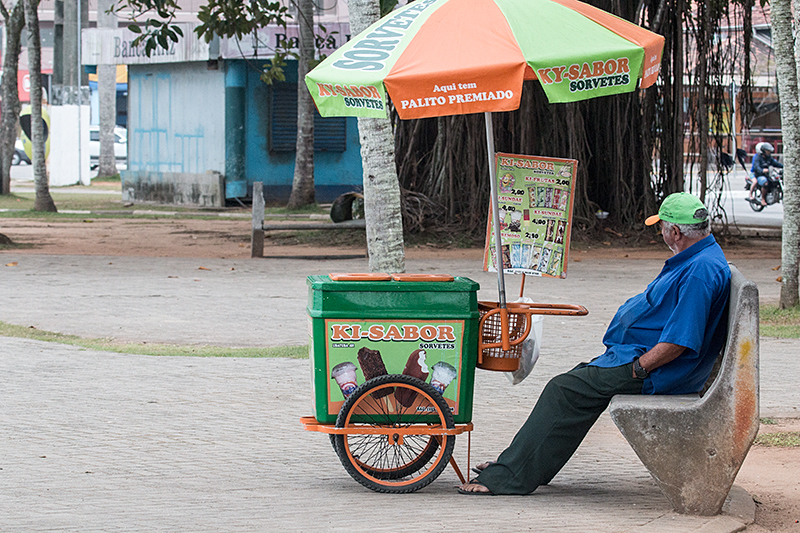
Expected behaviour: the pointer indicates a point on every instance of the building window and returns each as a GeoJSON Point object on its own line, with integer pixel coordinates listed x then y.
{"type": "Point", "coordinates": [329, 133]}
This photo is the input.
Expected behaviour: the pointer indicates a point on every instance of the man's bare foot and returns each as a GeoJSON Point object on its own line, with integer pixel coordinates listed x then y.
{"type": "Point", "coordinates": [481, 467]}
{"type": "Point", "coordinates": [474, 487]}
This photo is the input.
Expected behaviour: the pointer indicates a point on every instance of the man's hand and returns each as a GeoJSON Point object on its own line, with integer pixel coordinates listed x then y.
{"type": "Point", "coordinates": [659, 355]}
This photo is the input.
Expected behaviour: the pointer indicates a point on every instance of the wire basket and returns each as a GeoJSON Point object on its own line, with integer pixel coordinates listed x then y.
{"type": "Point", "coordinates": [492, 356]}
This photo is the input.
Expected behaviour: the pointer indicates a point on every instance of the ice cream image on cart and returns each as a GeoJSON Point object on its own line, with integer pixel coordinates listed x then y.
{"type": "Point", "coordinates": [441, 376]}
{"type": "Point", "coordinates": [415, 367]}
{"type": "Point", "coordinates": [345, 376]}
{"type": "Point", "coordinates": [437, 58]}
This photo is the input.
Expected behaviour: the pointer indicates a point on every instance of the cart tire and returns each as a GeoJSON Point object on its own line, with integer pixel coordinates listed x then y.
{"type": "Point", "coordinates": [409, 463]}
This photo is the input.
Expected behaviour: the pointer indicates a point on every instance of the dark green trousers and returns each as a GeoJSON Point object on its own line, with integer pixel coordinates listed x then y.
{"type": "Point", "coordinates": [567, 408]}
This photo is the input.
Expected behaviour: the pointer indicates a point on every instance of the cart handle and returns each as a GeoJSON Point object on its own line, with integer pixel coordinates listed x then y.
{"type": "Point", "coordinates": [522, 308]}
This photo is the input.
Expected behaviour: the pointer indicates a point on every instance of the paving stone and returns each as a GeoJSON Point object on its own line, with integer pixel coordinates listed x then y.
{"type": "Point", "coordinates": [95, 441]}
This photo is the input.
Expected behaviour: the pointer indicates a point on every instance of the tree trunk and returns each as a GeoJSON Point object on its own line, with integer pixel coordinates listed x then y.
{"type": "Point", "coordinates": [10, 95]}
{"type": "Point", "coordinates": [303, 182]}
{"type": "Point", "coordinates": [107, 91]}
{"type": "Point", "coordinates": [381, 186]}
{"type": "Point", "coordinates": [704, 43]}
{"type": "Point", "coordinates": [783, 40]}
{"type": "Point", "coordinates": [43, 201]}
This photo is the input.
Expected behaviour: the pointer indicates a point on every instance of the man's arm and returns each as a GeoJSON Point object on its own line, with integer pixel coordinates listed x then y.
{"type": "Point", "coordinates": [659, 355]}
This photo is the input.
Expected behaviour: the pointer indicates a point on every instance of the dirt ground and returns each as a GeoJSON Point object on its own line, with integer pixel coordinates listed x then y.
{"type": "Point", "coordinates": [770, 475]}
{"type": "Point", "coordinates": [225, 238]}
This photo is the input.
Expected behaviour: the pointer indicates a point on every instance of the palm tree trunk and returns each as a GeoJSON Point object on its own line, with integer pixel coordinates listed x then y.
{"type": "Point", "coordinates": [303, 181]}
{"type": "Point", "coordinates": [10, 94]}
{"type": "Point", "coordinates": [107, 91]}
{"type": "Point", "coordinates": [790, 126]}
{"type": "Point", "coordinates": [381, 186]}
{"type": "Point", "coordinates": [43, 200]}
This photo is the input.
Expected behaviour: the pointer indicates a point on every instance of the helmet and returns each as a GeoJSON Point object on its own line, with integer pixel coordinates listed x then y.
{"type": "Point", "coordinates": [765, 147]}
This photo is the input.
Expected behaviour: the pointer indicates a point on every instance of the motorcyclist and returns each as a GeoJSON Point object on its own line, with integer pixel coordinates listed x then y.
{"type": "Point", "coordinates": [759, 170]}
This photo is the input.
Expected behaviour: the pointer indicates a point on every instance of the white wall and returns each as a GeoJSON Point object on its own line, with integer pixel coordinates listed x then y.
{"type": "Point", "coordinates": [68, 163]}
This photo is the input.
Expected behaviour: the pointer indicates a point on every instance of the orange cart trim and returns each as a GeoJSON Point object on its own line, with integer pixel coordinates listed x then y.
{"type": "Point", "coordinates": [422, 277]}
{"type": "Point", "coordinates": [310, 424]}
{"type": "Point", "coordinates": [366, 276]}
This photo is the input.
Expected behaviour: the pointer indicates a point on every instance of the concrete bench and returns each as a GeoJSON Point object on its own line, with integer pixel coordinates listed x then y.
{"type": "Point", "coordinates": [259, 227]}
{"type": "Point", "coordinates": [693, 445]}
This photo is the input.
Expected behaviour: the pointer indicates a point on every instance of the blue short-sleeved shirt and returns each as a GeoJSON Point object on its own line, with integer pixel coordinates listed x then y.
{"type": "Point", "coordinates": [685, 305]}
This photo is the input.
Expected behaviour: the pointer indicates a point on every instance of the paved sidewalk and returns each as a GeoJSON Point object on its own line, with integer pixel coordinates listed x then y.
{"type": "Point", "coordinates": [93, 441]}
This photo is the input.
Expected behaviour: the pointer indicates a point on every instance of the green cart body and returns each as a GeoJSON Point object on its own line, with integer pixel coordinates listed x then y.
{"type": "Point", "coordinates": [364, 323]}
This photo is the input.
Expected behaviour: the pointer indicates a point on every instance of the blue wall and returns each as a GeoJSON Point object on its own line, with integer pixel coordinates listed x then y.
{"type": "Point", "coordinates": [176, 119]}
{"type": "Point", "coordinates": [334, 172]}
{"type": "Point", "coordinates": [185, 118]}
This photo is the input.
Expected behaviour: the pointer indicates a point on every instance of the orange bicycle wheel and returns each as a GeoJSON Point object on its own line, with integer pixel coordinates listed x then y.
{"type": "Point", "coordinates": [395, 461]}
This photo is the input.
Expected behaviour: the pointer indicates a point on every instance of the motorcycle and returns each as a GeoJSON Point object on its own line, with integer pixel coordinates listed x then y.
{"type": "Point", "coordinates": [774, 190]}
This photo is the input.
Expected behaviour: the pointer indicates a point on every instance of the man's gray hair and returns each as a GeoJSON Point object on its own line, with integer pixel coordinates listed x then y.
{"type": "Point", "coordinates": [693, 231]}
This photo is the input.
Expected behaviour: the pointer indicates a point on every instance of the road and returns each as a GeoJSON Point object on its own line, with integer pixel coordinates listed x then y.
{"type": "Point", "coordinates": [735, 204]}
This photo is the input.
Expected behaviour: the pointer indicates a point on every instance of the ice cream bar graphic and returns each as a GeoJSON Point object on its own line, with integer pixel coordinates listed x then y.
{"type": "Point", "coordinates": [415, 367]}
{"type": "Point", "coordinates": [372, 366]}
{"type": "Point", "coordinates": [345, 376]}
{"type": "Point", "coordinates": [441, 375]}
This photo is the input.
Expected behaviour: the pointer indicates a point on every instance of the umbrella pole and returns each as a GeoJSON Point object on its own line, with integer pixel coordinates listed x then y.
{"type": "Point", "coordinates": [501, 282]}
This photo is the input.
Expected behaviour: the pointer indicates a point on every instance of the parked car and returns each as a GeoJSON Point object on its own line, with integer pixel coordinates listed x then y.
{"type": "Point", "coordinates": [120, 145]}
{"type": "Point", "coordinates": [19, 154]}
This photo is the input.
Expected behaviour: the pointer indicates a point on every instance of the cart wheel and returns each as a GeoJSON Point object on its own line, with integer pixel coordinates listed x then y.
{"type": "Point", "coordinates": [397, 463]}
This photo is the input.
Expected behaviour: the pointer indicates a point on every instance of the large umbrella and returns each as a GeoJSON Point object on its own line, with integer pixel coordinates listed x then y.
{"type": "Point", "coordinates": [453, 57]}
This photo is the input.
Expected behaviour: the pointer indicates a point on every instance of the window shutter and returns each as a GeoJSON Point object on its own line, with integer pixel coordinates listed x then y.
{"type": "Point", "coordinates": [329, 133]}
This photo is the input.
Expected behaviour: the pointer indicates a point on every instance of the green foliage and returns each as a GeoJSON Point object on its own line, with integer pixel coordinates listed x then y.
{"type": "Point", "coordinates": [769, 421]}
{"type": "Point", "coordinates": [107, 345]}
{"type": "Point", "coordinates": [387, 6]}
{"type": "Point", "coordinates": [273, 71]}
{"type": "Point", "coordinates": [788, 439]}
{"type": "Point", "coordinates": [219, 18]}
{"type": "Point", "coordinates": [237, 19]}
{"type": "Point", "coordinates": [783, 323]}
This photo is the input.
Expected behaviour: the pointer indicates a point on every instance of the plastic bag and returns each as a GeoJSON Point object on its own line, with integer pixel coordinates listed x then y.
{"type": "Point", "coordinates": [530, 349]}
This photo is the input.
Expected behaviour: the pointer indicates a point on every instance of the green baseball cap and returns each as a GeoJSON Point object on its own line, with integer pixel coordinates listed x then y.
{"type": "Point", "coordinates": [680, 208]}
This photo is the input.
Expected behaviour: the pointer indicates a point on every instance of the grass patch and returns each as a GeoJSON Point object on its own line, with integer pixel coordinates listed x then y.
{"type": "Point", "coordinates": [788, 439]}
{"type": "Point", "coordinates": [106, 345]}
{"type": "Point", "coordinates": [66, 199]}
{"type": "Point", "coordinates": [116, 178]}
{"type": "Point", "coordinates": [783, 323]}
{"type": "Point", "coordinates": [769, 421]}
{"type": "Point", "coordinates": [63, 200]}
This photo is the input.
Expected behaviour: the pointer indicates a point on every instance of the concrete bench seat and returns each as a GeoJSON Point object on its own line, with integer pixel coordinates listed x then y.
{"type": "Point", "coordinates": [694, 445]}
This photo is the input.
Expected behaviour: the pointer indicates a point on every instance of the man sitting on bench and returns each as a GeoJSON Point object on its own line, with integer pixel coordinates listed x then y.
{"type": "Point", "coordinates": [662, 341]}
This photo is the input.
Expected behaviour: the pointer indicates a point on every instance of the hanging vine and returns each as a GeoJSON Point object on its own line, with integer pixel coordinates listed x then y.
{"type": "Point", "coordinates": [630, 147]}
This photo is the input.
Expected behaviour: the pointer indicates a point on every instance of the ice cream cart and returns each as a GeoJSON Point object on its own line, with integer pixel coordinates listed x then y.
{"type": "Point", "coordinates": [393, 362]}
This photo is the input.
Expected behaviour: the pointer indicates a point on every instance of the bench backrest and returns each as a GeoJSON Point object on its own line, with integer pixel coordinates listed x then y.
{"type": "Point", "coordinates": [739, 355]}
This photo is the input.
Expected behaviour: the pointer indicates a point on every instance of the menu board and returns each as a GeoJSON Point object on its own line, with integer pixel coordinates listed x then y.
{"type": "Point", "coordinates": [535, 198]}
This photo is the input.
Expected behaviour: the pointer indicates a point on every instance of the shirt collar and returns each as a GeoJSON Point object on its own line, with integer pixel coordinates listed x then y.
{"type": "Point", "coordinates": [691, 251]}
